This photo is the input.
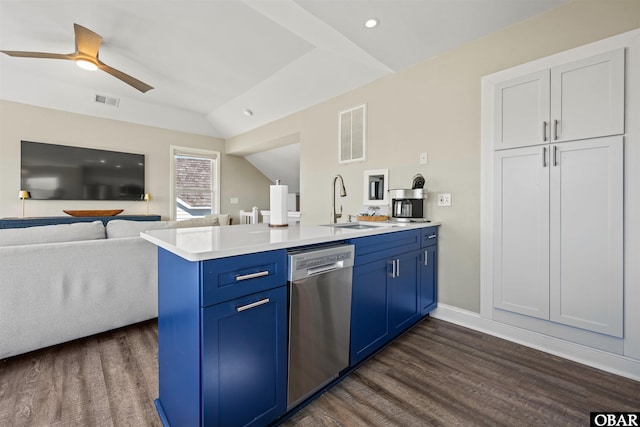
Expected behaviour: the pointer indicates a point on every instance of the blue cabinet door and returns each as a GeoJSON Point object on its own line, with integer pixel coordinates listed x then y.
{"type": "Point", "coordinates": [404, 309]}
{"type": "Point", "coordinates": [369, 302]}
{"type": "Point", "coordinates": [244, 369]}
{"type": "Point", "coordinates": [429, 279]}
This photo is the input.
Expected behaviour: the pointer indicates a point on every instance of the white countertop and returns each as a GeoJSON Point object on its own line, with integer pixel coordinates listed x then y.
{"type": "Point", "coordinates": [202, 243]}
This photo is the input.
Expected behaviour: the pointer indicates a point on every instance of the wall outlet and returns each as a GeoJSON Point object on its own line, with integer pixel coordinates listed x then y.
{"type": "Point", "coordinates": [423, 158]}
{"type": "Point", "coordinates": [444, 199]}
{"type": "Point", "coordinates": [234, 201]}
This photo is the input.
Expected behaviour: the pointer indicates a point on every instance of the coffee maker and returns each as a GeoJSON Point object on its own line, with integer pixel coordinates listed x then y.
{"type": "Point", "coordinates": [409, 205]}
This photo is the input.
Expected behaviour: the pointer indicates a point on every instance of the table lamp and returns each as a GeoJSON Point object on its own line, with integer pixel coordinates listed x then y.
{"type": "Point", "coordinates": [23, 195]}
{"type": "Point", "coordinates": [147, 197]}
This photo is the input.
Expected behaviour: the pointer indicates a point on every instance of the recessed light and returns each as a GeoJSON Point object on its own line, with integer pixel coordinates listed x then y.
{"type": "Point", "coordinates": [248, 112]}
{"type": "Point", "coordinates": [371, 23]}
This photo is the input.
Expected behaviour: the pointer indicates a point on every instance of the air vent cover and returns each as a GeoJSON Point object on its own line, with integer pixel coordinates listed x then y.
{"type": "Point", "coordinates": [107, 100]}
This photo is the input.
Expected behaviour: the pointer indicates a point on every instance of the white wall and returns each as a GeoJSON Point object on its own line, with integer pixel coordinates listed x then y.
{"type": "Point", "coordinates": [434, 107]}
{"type": "Point", "coordinates": [23, 122]}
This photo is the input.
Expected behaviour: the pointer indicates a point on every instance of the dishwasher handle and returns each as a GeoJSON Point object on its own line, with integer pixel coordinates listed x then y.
{"type": "Point", "coordinates": [325, 268]}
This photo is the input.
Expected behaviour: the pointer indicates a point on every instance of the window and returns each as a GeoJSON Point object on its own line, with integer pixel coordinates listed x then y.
{"type": "Point", "coordinates": [195, 182]}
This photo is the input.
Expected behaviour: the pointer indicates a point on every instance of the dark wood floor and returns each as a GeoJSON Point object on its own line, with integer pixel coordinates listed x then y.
{"type": "Point", "coordinates": [436, 374]}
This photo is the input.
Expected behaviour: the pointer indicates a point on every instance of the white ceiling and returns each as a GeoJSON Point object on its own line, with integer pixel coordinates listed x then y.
{"type": "Point", "coordinates": [211, 60]}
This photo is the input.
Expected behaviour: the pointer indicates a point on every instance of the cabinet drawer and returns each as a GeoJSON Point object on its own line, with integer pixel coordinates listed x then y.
{"type": "Point", "coordinates": [429, 236]}
{"type": "Point", "coordinates": [228, 278]}
{"type": "Point", "coordinates": [382, 246]}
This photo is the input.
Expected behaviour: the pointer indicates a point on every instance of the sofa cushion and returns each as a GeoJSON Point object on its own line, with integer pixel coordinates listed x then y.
{"type": "Point", "coordinates": [207, 221]}
{"type": "Point", "coordinates": [119, 228]}
{"type": "Point", "coordinates": [223, 219]}
{"type": "Point", "coordinates": [52, 233]}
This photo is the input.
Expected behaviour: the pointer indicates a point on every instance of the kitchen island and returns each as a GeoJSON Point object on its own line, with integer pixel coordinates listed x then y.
{"type": "Point", "coordinates": [223, 311]}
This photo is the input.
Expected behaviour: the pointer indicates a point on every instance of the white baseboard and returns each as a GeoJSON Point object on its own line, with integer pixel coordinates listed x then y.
{"type": "Point", "coordinates": [616, 364]}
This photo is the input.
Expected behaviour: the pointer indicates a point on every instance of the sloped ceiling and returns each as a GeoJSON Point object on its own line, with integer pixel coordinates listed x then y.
{"type": "Point", "coordinates": [211, 60]}
{"type": "Point", "coordinates": [280, 163]}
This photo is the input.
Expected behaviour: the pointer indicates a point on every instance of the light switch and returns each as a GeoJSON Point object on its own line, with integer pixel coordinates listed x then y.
{"type": "Point", "coordinates": [423, 158]}
{"type": "Point", "coordinates": [444, 199]}
{"type": "Point", "coordinates": [234, 200]}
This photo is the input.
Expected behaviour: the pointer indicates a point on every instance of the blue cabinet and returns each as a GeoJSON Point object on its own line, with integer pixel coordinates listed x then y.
{"type": "Point", "coordinates": [385, 298]}
{"type": "Point", "coordinates": [403, 291]}
{"type": "Point", "coordinates": [369, 302]}
{"type": "Point", "coordinates": [222, 331]}
{"type": "Point", "coordinates": [429, 271]}
{"type": "Point", "coordinates": [244, 344]}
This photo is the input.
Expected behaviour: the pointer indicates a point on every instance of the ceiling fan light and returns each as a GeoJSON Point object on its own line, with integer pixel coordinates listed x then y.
{"type": "Point", "coordinates": [86, 65]}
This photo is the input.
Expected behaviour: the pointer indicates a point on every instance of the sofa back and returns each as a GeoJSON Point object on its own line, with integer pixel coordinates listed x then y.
{"type": "Point", "coordinates": [119, 228]}
{"type": "Point", "coordinates": [52, 233]}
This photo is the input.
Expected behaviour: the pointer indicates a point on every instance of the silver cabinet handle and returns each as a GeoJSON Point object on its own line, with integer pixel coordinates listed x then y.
{"type": "Point", "coordinates": [393, 268]}
{"type": "Point", "coordinates": [544, 157]}
{"type": "Point", "coordinates": [252, 275]}
{"type": "Point", "coordinates": [252, 305]}
{"type": "Point", "coordinates": [544, 130]}
{"type": "Point", "coordinates": [433, 236]}
{"type": "Point", "coordinates": [426, 258]}
{"type": "Point", "coordinates": [397, 268]}
{"type": "Point", "coordinates": [555, 129]}
{"type": "Point", "coordinates": [555, 155]}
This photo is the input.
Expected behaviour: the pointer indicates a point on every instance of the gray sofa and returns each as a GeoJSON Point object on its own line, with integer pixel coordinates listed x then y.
{"type": "Point", "coordinates": [62, 282]}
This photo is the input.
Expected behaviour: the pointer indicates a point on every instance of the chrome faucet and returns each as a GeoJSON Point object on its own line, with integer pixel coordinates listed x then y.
{"type": "Point", "coordinates": [343, 193]}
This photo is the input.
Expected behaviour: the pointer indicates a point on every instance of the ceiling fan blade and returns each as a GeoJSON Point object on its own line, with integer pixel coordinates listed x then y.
{"type": "Point", "coordinates": [87, 41]}
{"type": "Point", "coordinates": [131, 81]}
{"type": "Point", "coordinates": [37, 54]}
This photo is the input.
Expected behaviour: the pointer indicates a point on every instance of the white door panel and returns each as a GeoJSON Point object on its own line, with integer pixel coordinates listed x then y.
{"type": "Point", "coordinates": [587, 97]}
{"type": "Point", "coordinates": [522, 108]}
{"type": "Point", "coordinates": [521, 245]}
{"type": "Point", "coordinates": [586, 234]}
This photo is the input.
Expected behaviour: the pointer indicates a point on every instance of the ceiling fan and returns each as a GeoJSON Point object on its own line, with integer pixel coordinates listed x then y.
{"type": "Point", "coordinates": [86, 56]}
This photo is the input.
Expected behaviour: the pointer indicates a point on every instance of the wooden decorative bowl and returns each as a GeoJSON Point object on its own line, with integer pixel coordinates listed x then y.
{"type": "Point", "coordinates": [107, 212]}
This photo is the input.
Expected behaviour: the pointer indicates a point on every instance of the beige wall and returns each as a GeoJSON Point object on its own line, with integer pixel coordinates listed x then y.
{"type": "Point", "coordinates": [435, 107]}
{"type": "Point", "coordinates": [19, 121]}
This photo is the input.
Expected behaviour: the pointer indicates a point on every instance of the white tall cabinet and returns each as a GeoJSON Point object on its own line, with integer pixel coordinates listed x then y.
{"type": "Point", "coordinates": [578, 100]}
{"type": "Point", "coordinates": [558, 233]}
{"type": "Point", "coordinates": [558, 194]}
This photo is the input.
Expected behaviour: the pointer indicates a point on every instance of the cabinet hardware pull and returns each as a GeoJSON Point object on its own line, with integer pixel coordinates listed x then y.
{"type": "Point", "coordinates": [426, 258]}
{"type": "Point", "coordinates": [252, 275]}
{"type": "Point", "coordinates": [397, 268]}
{"type": "Point", "coordinates": [544, 157]}
{"type": "Point", "coordinates": [555, 155]}
{"type": "Point", "coordinates": [253, 304]}
{"type": "Point", "coordinates": [555, 129]}
{"type": "Point", "coordinates": [433, 236]}
{"type": "Point", "coordinates": [544, 130]}
{"type": "Point", "coordinates": [393, 268]}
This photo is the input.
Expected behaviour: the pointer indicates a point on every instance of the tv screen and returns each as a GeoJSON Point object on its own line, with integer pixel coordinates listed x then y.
{"type": "Point", "coordinates": [50, 171]}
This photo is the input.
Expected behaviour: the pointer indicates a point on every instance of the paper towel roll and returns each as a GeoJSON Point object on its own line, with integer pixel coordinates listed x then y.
{"type": "Point", "coordinates": [278, 208]}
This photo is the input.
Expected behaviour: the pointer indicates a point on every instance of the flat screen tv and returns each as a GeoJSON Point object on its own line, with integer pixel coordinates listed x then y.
{"type": "Point", "coordinates": [50, 171]}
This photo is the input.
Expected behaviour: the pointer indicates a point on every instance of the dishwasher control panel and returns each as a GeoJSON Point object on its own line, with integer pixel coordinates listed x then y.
{"type": "Point", "coordinates": [312, 261]}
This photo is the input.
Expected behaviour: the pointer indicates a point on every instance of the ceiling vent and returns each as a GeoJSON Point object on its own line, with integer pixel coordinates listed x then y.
{"type": "Point", "coordinates": [107, 100]}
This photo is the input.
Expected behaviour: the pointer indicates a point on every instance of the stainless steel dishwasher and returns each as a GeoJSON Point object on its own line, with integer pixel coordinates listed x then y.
{"type": "Point", "coordinates": [319, 318]}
